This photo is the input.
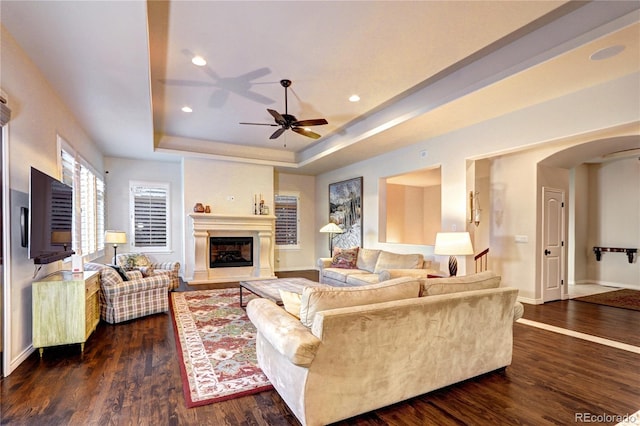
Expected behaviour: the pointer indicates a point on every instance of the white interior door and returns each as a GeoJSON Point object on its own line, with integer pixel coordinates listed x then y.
{"type": "Point", "coordinates": [552, 243]}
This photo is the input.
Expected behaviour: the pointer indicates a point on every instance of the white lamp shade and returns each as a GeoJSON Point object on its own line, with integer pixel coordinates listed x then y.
{"type": "Point", "coordinates": [115, 237]}
{"type": "Point", "coordinates": [453, 244]}
{"type": "Point", "coordinates": [331, 228]}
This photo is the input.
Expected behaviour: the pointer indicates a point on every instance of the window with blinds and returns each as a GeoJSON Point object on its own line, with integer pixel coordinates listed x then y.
{"type": "Point", "coordinates": [149, 205]}
{"type": "Point", "coordinates": [287, 221]}
{"type": "Point", "coordinates": [88, 203]}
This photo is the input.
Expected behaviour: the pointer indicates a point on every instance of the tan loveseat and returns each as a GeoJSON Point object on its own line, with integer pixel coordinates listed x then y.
{"type": "Point", "coordinates": [389, 346]}
{"type": "Point", "coordinates": [373, 266]}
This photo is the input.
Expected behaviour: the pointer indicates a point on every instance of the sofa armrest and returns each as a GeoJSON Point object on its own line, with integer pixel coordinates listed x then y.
{"type": "Point", "coordinates": [169, 266]}
{"type": "Point", "coordinates": [324, 262]}
{"type": "Point", "coordinates": [283, 331]}
{"type": "Point", "coordinates": [518, 311]}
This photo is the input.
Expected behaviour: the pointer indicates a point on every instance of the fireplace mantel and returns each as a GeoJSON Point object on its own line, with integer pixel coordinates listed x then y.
{"type": "Point", "coordinates": [261, 227]}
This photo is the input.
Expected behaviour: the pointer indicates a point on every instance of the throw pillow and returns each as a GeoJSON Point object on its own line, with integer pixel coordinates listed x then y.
{"type": "Point", "coordinates": [388, 260]}
{"type": "Point", "coordinates": [367, 259]}
{"type": "Point", "coordinates": [291, 302]}
{"type": "Point", "coordinates": [135, 260]}
{"type": "Point", "coordinates": [344, 258]}
{"type": "Point", "coordinates": [147, 271]}
{"type": "Point", "coordinates": [316, 299]}
{"type": "Point", "coordinates": [120, 272]}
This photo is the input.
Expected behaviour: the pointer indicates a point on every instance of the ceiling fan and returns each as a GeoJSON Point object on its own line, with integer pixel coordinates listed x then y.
{"type": "Point", "coordinates": [287, 121]}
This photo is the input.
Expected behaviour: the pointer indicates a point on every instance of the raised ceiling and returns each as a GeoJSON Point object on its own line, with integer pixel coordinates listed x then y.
{"type": "Point", "coordinates": [421, 69]}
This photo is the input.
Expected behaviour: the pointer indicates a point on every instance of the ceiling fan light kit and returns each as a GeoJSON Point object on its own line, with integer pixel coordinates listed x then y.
{"type": "Point", "coordinates": [287, 121]}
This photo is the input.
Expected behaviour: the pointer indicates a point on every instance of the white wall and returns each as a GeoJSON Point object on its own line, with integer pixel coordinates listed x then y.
{"type": "Point", "coordinates": [614, 221]}
{"type": "Point", "coordinates": [38, 115]}
{"type": "Point", "coordinates": [304, 257]}
{"type": "Point", "coordinates": [118, 173]}
{"type": "Point", "coordinates": [229, 188]}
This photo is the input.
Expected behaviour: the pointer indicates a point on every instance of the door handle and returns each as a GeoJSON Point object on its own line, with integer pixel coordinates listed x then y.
{"type": "Point", "coordinates": [547, 252]}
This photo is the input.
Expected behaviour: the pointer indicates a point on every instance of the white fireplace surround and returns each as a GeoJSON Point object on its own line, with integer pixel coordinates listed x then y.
{"type": "Point", "coordinates": [260, 227]}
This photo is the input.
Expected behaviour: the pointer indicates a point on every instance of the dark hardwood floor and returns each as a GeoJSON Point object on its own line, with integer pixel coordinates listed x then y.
{"type": "Point", "coordinates": [129, 374]}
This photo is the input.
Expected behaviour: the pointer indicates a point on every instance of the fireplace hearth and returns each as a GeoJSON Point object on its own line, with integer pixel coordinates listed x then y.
{"type": "Point", "coordinates": [230, 252]}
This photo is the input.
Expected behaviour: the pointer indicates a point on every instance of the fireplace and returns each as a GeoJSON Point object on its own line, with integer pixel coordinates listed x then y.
{"type": "Point", "coordinates": [259, 228]}
{"type": "Point", "coordinates": [229, 252]}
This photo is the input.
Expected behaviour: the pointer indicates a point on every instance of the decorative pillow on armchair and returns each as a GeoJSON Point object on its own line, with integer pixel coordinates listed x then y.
{"type": "Point", "coordinates": [136, 260]}
{"type": "Point", "coordinates": [344, 258]}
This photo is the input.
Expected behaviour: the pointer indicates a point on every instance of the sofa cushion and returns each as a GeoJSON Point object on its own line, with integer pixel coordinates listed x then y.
{"type": "Point", "coordinates": [388, 260]}
{"type": "Point", "coordinates": [316, 299]}
{"type": "Point", "coordinates": [363, 279]}
{"type": "Point", "coordinates": [339, 274]}
{"type": "Point", "coordinates": [479, 281]}
{"type": "Point", "coordinates": [367, 259]}
{"type": "Point", "coordinates": [291, 302]}
{"type": "Point", "coordinates": [345, 258]}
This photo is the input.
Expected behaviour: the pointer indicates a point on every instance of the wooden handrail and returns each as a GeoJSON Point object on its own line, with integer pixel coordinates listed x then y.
{"type": "Point", "coordinates": [481, 260]}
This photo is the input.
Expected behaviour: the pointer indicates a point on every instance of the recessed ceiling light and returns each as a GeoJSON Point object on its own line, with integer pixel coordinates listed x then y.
{"type": "Point", "coordinates": [607, 52]}
{"type": "Point", "coordinates": [199, 61]}
{"type": "Point", "coordinates": [354, 98]}
{"type": "Point", "coordinates": [186, 109]}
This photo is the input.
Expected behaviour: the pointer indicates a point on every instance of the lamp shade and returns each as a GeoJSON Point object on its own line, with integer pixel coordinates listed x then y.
{"type": "Point", "coordinates": [453, 244]}
{"type": "Point", "coordinates": [115, 237]}
{"type": "Point", "coordinates": [331, 228]}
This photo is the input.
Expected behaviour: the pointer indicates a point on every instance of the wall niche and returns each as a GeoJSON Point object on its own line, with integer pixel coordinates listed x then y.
{"type": "Point", "coordinates": [410, 210]}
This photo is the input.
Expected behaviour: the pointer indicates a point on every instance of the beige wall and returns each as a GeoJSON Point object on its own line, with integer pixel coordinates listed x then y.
{"type": "Point", "coordinates": [303, 257]}
{"type": "Point", "coordinates": [229, 188]}
{"type": "Point", "coordinates": [38, 115]}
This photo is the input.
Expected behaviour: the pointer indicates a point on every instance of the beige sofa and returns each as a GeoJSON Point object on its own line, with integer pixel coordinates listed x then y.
{"type": "Point", "coordinates": [375, 266]}
{"type": "Point", "coordinates": [388, 346]}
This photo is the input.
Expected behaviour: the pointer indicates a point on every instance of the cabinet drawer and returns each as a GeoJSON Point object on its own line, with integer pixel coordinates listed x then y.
{"type": "Point", "coordinates": [93, 285]}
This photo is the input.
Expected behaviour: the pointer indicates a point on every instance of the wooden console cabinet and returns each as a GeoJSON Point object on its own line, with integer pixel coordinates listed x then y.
{"type": "Point", "coordinates": [66, 308]}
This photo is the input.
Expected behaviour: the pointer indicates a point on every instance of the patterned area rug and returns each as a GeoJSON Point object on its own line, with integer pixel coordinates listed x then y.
{"type": "Point", "coordinates": [217, 348]}
{"type": "Point", "coordinates": [628, 299]}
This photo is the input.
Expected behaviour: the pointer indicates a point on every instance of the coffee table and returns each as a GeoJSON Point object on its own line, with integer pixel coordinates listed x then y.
{"type": "Point", "coordinates": [268, 289]}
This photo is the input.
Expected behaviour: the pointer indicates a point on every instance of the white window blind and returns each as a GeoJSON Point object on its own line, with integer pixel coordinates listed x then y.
{"type": "Point", "coordinates": [286, 211]}
{"type": "Point", "coordinates": [88, 202]}
{"type": "Point", "coordinates": [149, 204]}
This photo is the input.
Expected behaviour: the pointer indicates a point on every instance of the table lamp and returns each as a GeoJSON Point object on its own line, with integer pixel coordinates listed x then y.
{"type": "Point", "coordinates": [453, 244]}
{"type": "Point", "coordinates": [115, 238]}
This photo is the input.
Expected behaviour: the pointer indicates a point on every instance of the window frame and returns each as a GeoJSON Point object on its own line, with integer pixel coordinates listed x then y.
{"type": "Point", "coordinates": [88, 232]}
{"type": "Point", "coordinates": [166, 186]}
{"type": "Point", "coordinates": [296, 195]}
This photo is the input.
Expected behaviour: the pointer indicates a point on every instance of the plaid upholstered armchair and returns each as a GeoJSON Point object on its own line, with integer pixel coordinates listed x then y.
{"type": "Point", "coordinates": [142, 263]}
{"type": "Point", "coordinates": [136, 297]}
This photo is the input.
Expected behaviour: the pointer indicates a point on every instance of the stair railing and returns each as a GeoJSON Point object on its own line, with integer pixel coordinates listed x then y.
{"type": "Point", "coordinates": [481, 260]}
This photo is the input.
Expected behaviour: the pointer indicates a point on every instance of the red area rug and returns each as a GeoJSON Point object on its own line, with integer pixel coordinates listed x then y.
{"type": "Point", "coordinates": [627, 299]}
{"type": "Point", "coordinates": [216, 345]}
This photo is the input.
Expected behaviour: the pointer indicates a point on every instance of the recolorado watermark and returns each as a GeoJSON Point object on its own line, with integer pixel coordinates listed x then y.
{"type": "Point", "coordinates": [607, 418]}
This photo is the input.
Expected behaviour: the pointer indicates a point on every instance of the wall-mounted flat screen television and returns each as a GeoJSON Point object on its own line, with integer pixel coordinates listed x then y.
{"type": "Point", "coordinates": [50, 218]}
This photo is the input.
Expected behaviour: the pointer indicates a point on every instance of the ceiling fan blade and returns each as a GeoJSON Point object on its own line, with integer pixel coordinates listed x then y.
{"type": "Point", "coordinates": [279, 119]}
{"type": "Point", "coordinates": [313, 122]}
{"type": "Point", "coordinates": [277, 133]}
{"type": "Point", "coordinates": [260, 124]}
{"type": "Point", "coordinates": [305, 132]}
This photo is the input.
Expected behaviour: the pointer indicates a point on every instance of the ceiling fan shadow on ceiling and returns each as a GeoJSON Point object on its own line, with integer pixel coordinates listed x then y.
{"type": "Point", "coordinates": [289, 122]}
